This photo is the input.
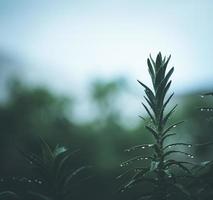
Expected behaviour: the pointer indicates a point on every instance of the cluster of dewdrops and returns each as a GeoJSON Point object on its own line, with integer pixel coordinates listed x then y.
{"type": "Point", "coordinates": [207, 109]}
{"type": "Point", "coordinates": [21, 179]}
{"type": "Point", "coordinates": [144, 146]}
{"type": "Point", "coordinates": [131, 161]}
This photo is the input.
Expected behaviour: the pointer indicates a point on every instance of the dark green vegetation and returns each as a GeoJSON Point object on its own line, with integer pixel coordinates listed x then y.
{"type": "Point", "coordinates": [164, 181]}
{"type": "Point", "coordinates": [159, 172]}
{"type": "Point", "coordinates": [81, 160]}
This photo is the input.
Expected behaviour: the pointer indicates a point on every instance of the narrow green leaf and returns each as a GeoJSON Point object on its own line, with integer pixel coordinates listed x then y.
{"type": "Point", "coordinates": [47, 153]}
{"type": "Point", "coordinates": [163, 108]}
{"type": "Point", "coordinates": [158, 78]}
{"type": "Point", "coordinates": [175, 151]}
{"type": "Point", "coordinates": [141, 173]}
{"type": "Point", "coordinates": [163, 82]}
{"type": "Point", "coordinates": [69, 177]}
{"type": "Point", "coordinates": [177, 144]}
{"type": "Point", "coordinates": [149, 92]}
{"type": "Point", "coordinates": [160, 96]}
{"type": "Point", "coordinates": [158, 61]}
{"type": "Point", "coordinates": [152, 106]}
{"type": "Point", "coordinates": [61, 160]}
{"type": "Point", "coordinates": [151, 71]}
{"type": "Point", "coordinates": [136, 158]}
{"type": "Point", "coordinates": [165, 119]}
{"type": "Point", "coordinates": [142, 146]}
{"type": "Point", "coordinates": [133, 182]}
{"type": "Point", "coordinates": [124, 174]}
{"type": "Point", "coordinates": [153, 62]}
{"type": "Point", "coordinates": [167, 101]}
{"type": "Point", "coordinates": [171, 127]}
{"type": "Point", "coordinates": [149, 113]}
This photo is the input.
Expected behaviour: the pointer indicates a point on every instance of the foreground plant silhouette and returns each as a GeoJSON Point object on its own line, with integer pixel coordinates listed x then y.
{"type": "Point", "coordinates": [159, 173]}
{"type": "Point", "coordinates": [56, 174]}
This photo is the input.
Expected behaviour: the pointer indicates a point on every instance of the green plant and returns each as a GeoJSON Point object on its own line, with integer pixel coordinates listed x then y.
{"type": "Point", "coordinates": [159, 172]}
{"type": "Point", "coordinates": [53, 172]}
{"type": "Point", "coordinates": [204, 171]}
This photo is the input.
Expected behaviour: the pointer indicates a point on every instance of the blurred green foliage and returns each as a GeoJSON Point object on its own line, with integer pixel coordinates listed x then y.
{"type": "Point", "coordinates": [30, 112]}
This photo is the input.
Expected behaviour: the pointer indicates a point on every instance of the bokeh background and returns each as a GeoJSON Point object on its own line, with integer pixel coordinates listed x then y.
{"type": "Point", "coordinates": [68, 72]}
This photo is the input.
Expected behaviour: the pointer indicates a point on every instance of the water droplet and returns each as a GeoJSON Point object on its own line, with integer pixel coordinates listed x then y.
{"type": "Point", "coordinates": [146, 158]}
{"type": "Point", "coordinates": [174, 126]}
{"type": "Point", "coordinates": [202, 96]}
{"type": "Point", "coordinates": [29, 181]}
{"type": "Point", "coordinates": [191, 156]}
{"type": "Point", "coordinates": [201, 109]}
{"type": "Point", "coordinates": [39, 182]}
{"type": "Point", "coordinates": [143, 147]}
{"type": "Point", "coordinates": [189, 145]}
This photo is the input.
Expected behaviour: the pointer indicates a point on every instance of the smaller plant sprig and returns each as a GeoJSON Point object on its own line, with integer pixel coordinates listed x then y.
{"type": "Point", "coordinates": [209, 108]}
{"type": "Point", "coordinates": [55, 171]}
{"type": "Point", "coordinates": [204, 170]}
{"type": "Point", "coordinates": [159, 172]}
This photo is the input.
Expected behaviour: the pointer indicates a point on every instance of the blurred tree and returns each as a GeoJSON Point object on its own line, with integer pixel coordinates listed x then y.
{"type": "Point", "coordinates": [29, 113]}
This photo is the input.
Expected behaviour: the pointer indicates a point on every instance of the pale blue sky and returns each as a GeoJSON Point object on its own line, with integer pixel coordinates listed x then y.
{"type": "Point", "coordinates": [66, 43]}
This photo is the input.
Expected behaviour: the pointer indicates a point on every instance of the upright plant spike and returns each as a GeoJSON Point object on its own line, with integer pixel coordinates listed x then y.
{"type": "Point", "coordinates": [159, 164]}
